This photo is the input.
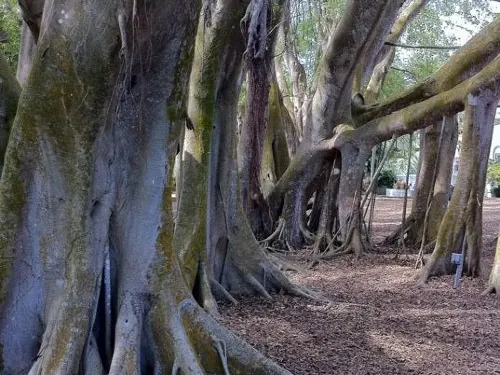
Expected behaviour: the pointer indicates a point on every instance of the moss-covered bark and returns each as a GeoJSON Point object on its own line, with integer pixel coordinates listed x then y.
{"type": "Point", "coordinates": [474, 213]}
{"type": "Point", "coordinates": [275, 158]}
{"type": "Point", "coordinates": [441, 191]}
{"type": "Point", "coordinates": [432, 188]}
{"type": "Point", "coordinates": [90, 280]}
{"type": "Point", "coordinates": [463, 216]}
{"type": "Point", "coordinates": [465, 63]}
{"type": "Point", "coordinates": [213, 37]}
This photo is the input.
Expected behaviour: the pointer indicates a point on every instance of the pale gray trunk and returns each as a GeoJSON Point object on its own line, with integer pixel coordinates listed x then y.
{"type": "Point", "coordinates": [349, 199]}
{"type": "Point", "coordinates": [26, 54]}
{"type": "Point", "coordinates": [462, 210]}
{"type": "Point", "coordinates": [238, 263]}
{"type": "Point", "coordinates": [330, 106]}
{"type": "Point", "coordinates": [437, 152]}
{"type": "Point", "coordinates": [84, 199]}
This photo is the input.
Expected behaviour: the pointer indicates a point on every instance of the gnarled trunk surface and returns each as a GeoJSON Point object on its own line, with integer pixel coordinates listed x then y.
{"type": "Point", "coordinates": [437, 152]}
{"type": "Point", "coordinates": [330, 107]}
{"type": "Point", "coordinates": [463, 216]}
{"type": "Point", "coordinates": [90, 282]}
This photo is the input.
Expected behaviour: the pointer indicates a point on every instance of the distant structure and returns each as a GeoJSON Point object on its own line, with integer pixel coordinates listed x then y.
{"type": "Point", "coordinates": [495, 155]}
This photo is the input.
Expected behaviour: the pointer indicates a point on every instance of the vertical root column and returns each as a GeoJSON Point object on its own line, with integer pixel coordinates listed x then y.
{"type": "Point", "coordinates": [126, 355]}
{"type": "Point", "coordinates": [191, 342]}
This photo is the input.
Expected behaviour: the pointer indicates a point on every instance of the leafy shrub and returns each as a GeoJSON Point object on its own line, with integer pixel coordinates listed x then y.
{"type": "Point", "coordinates": [387, 178]}
{"type": "Point", "coordinates": [496, 191]}
{"type": "Point", "coordinates": [493, 175]}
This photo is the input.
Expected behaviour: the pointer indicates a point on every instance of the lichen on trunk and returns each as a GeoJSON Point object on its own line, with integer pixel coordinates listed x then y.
{"type": "Point", "coordinates": [90, 281]}
{"type": "Point", "coordinates": [460, 222]}
{"type": "Point", "coordinates": [432, 189]}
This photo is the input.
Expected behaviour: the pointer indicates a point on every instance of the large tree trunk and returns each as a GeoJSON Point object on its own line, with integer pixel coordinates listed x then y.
{"type": "Point", "coordinates": [238, 264]}
{"type": "Point", "coordinates": [441, 191]}
{"type": "Point", "coordinates": [90, 282]}
{"type": "Point", "coordinates": [26, 53]}
{"type": "Point", "coordinates": [494, 281]}
{"type": "Point", "coordinates": [275, 157]}
{"type": "Point", "coordinates": [463, 216]}
{"type": "Point", "coordinates": [349, 199]}
{"type": "Point", "coordinates": [296, 71]}
{"type": "Point", "coordinates": [474, 213]}
{"type": "Point", "coordinates": [214, 235]}
{"type": "Point", "coordinates": [437, 152]}
{"type": "Point", "coordinates": [260, 26]}
{"type": "Point", "coordinates": [330, 106]}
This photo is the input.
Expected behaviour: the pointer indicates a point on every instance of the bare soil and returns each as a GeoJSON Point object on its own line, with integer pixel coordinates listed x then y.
{"type": "Point", "coordinates": [378, 320]}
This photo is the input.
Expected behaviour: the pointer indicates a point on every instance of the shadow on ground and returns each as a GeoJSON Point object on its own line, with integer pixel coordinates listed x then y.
{"type": "Point", "coordinates": [379, 321]}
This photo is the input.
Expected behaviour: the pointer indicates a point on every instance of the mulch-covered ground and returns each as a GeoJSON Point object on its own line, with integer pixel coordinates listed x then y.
{"type": "Point", "coordinates": [378, 320]}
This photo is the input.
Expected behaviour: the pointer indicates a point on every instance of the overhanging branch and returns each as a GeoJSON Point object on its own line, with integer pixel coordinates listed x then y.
{"type": "Point", "coordinates": [467, 61]}
{"type": "Point", "coordinates": [422, 46]}
{"type": "Point", "coordinates": [420, 115]}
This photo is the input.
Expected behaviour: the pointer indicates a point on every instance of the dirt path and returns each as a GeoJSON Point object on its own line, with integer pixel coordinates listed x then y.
{"type": "Point", "coordinates": [379, 322]}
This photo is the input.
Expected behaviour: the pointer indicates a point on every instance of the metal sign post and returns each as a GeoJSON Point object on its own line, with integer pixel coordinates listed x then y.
{"type": "Point", "coordinates": [457, 259]}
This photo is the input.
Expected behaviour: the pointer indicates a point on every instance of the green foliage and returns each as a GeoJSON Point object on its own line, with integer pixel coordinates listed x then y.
{"type": "Point", "coordinates": [496, 191]}
{"type": "Point", "coordinates": [493, 174]}
{"type": "Point", "coordinates": [10, 31]}
{"type": "Point", "coordinates": [397, 160]}
{"type": "Point", "coordinates": [311, 26]}
{"type": "Point", "coordinates": [387, 178]}
{"type": "Point", "coordinates": [395, 82]}
{"type": "Point", "coordinates": [440, 23]}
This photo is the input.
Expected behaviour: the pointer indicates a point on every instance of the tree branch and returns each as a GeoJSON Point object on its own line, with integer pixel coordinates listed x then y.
{"type": "Point", "coordinates": [422, 46]}
{"type": "Point", "coordinates": [467, 61]}
{"type": "Point", "coordinates": [423, 114]}
{"type": "Point", "coordinates": [411, 74]}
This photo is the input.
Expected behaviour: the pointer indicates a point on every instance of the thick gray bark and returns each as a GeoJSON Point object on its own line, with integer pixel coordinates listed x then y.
{"type": "Point", "coordinates": [90, 281]}
{"type": "Point", "coordinates": [437, 151]}
{"type": "Point", "coordinates": [237, 262]}
{"type": "Point", "coordinates": [330, 106]}
{"type": "Point", "coordinates": [26, 54]}
{"type": "Point", "coordinates": [459, 224]}
{"type": "Point", "coordinates": [494, 281]}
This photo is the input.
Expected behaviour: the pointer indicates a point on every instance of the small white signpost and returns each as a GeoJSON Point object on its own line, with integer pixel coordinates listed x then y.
{"type": "Point", "coordinates": [457, 259]}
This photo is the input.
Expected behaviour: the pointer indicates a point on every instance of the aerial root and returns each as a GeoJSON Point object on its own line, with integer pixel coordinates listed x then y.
{"type": "Point", "coordinates": [282, 264]}
{"type": "Point", "coordinates": [258, 287]}
{"type": "Point", "coordinates": [490, 290]}
{"type": "Point", "coordinates": [308, 235]}
{"type": "Point", "coordinates": [176, 368]}
{"type": "Point", "coordinates": [220, 346]}
{"type": "Point", "coordinates": [92, 361]}
{"type": "Point", "coordinates": [336, 252]}
{"type": "Point", "coordinates": [276, 234]}
{"type": "Point", "coordinates": [221, 293]}
{"type": "Point", "coordinates": [207, 299]}
{"type": "Point", "coordinates": [290, 288]}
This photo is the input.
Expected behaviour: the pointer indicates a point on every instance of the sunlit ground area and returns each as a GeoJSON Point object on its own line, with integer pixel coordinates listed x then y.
{"type": "Point", "coordinates": [379, 321]}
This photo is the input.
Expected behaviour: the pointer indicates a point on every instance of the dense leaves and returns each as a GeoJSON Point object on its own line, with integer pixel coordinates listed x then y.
{"type": "Point", "coordinates": [10, 30]}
